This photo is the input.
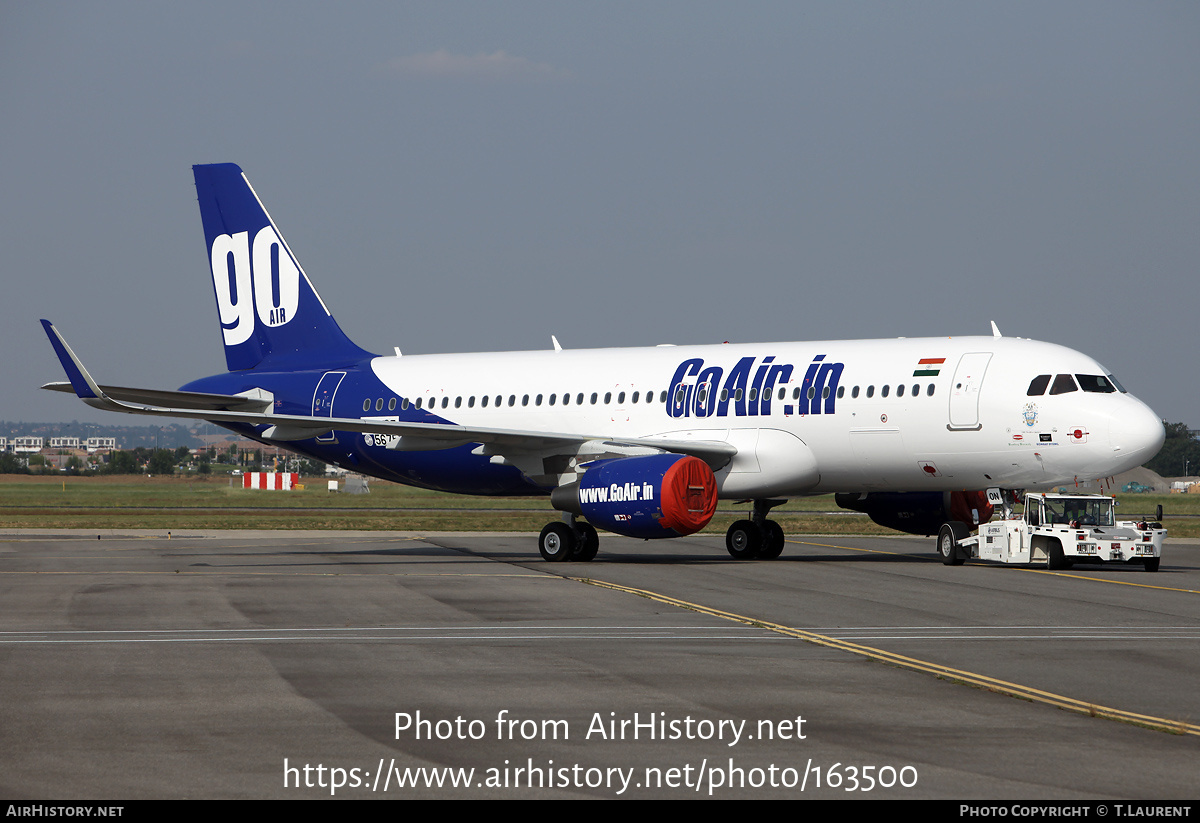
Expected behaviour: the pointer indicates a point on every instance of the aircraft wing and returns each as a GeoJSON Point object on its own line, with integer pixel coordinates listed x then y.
{"type": "Point", "coordinates": [250, 409]}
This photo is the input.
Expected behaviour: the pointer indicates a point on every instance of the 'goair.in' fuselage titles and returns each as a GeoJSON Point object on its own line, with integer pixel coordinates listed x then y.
{"type": "Point", "coordinates": [701, 390]}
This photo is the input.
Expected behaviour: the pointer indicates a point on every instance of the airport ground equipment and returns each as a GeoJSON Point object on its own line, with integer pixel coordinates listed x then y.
{"type": "Point", "coordinates": [1059, 530]}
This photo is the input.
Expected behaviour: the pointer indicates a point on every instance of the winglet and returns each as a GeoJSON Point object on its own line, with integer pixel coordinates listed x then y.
{"type": "Point", "coordinates": [996, 330]}
{"type": "Point", "coordinates": [85, 387]}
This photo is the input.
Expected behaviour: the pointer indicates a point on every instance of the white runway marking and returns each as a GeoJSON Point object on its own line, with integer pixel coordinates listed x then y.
{"type": "Point", "coordinates": [392, 634]}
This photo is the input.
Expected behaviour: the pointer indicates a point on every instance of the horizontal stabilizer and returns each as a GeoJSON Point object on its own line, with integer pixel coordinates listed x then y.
{"type": "Point", "coordinates": [175, 399]}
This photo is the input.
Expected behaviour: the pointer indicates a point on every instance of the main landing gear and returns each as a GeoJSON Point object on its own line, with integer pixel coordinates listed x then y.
{"type": "Point", "coordinates": [757, 537]}
{"type": "Point", "coordinates": [569, 540]}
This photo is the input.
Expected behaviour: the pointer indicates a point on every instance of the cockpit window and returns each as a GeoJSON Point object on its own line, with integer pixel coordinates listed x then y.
{"type": "Point", "coordinates": [1120, 388]}
{"type": "Point", "coordinates": [1095, 383]}
{"type": "Point", "coordinates": [1063, 384]}
{"type": "Point", "coordinates": [1037, 386]}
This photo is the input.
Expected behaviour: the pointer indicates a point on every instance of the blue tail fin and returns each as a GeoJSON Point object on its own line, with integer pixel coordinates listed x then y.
{"type": "Point", "coordinates": [271, 316]}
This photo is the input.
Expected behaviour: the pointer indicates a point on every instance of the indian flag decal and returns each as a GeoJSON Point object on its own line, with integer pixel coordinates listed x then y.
{"type": "Point", "coordinates": [929, 366]}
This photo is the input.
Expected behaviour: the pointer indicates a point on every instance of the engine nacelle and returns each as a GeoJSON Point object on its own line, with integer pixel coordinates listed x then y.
{"type": "Point", "coordinates": [657, 495]}
{"type": "Point", "coordinates": [920, 512]}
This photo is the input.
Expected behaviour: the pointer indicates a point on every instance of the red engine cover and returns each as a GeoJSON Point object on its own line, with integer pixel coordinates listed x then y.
{"type": "Point", "coordinates": [689, 496]}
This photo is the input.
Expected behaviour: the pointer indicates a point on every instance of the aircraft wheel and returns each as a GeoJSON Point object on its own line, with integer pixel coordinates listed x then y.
{"type": "Point", "coordinates": [1151, 563]}
{"type": "Point", "coordinates": [557, 542]}
{"type": "Point", "coordinates": [948, 536]}
{"type": "Point", "coordinates": [773, 539]}
{"type": "Point", "coordinates": [589, 543]}
{"type": "Point", "coordinates": [743, 540]}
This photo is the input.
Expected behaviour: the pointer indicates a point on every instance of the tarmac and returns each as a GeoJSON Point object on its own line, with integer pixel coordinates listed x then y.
{"type": "Point", "coordinates": [456, 665]}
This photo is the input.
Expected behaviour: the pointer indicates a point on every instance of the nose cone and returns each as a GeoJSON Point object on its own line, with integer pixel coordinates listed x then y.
{"type": "Point", "coordinates": [1136, 434]}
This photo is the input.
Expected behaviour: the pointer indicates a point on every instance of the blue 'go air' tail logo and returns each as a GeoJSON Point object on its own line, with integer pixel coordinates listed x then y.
{"type": "Point", "coordinates": [259, 278]}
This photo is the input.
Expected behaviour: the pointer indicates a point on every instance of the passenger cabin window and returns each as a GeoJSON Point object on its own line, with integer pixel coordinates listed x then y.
{"type": "Point", "coordinates": [900, 390]}
{"type": "Point", "coordinates": [929, 390]}
{"type": "Point", "coordinates": [854, 392]}
{"type": "Point", "coordinates": [884, 391]}
{"type": "Point", "coordinates": [367, 404]}
{"type": "Point", "coordinates": [870, 391]}
{"type": "Point", "coordinates": [1037, 386]}
{"type": "Point", "coordinates": [1063, 384]}
{"type": "Point", "coordinates": [841, 392]}
{"type": "Point", "coordinates": [392, 404]}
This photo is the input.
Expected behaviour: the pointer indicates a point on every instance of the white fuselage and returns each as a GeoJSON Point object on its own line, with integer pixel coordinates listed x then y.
{"type": "Point", "coordinates": [907, 414]}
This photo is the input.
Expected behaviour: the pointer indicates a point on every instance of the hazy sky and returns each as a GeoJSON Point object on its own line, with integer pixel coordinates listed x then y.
{"type": "Point", "coordinates": [478, 176]}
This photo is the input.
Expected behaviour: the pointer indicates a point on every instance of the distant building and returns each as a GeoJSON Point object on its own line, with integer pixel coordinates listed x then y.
{"type": "Point", "coordinates": [64, 442]}
{"type": "Point", "coordinates": [28, 444]}
{"type": "Point", "coordinates": [101, 444]}
{"type": "Point", "coordinates": [62, 461]}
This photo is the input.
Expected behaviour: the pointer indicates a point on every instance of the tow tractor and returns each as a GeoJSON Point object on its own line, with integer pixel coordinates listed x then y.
{"type": "Point", "coordinates": [1059, 530]}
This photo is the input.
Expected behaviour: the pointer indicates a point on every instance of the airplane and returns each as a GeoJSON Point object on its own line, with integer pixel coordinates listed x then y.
{"type": "Point", "coordinates": [642, 442]}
